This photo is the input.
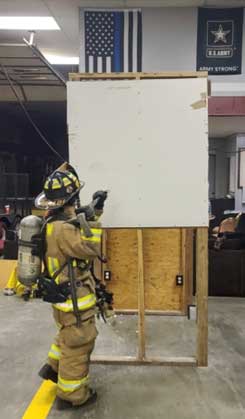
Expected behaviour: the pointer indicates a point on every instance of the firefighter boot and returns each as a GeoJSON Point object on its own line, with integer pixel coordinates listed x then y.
{"type": "Point", "coordinates": [47, 373]}
{"type": "Point", "coordinates": [64, 404]}
{"type": "Point", "coordinates": [26, 295]}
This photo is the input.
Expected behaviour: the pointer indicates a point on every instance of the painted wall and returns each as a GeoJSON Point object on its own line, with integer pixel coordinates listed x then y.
{"type": "Point", "coordinates": [223, 149]}
{"type": "Point", "coordinates": [169, 44]}
{"type": "Point", "coordinates": [169, 39]}
{"type": "Point", "coordinates": [240, 193]}
{"type": "Point", "coordinates": [217, 149]}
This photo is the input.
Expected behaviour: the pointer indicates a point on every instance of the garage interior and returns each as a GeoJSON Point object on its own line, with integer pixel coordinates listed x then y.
{"type": "Point", "coordinates": [42, 94]}
{"type": "Point", "coordinates": [34, 141]}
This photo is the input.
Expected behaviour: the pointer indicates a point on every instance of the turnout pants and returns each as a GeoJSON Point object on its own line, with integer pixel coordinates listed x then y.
{"type": "Point", "coordinates": [69, 356]}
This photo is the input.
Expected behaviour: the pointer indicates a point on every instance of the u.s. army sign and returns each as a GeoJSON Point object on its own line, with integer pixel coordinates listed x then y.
{"type": "Point", "coordinates": [219, 40]}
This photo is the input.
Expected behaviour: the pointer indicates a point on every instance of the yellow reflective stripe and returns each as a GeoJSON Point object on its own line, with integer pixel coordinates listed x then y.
{"type": "Point", "coordinates": [54, 352]}
{"type": "Point", "coordinates": [56, 184]}
{"type": "Point", "coordinates": [73, 178]}
{"type": "Point", "coordinates": [84, 303]}
{"type": "Point", "coordinates": [53, 266]}
{"type": "Point", "coordinates": [94, 239]}
{"type": "Point", "coordinates": [49, 229]}
{"type": "Point", "coordinates": [96, 231]}
{"type": "Point", "coordinates": [66, 181]}
{"type": "Point", "coordinates": [50, 266]}
{"type": "Point", "coordinates": [71, 385]}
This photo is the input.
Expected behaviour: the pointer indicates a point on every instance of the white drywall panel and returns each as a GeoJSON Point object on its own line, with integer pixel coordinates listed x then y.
{"type": "Point", "coordinates": [145, 142]}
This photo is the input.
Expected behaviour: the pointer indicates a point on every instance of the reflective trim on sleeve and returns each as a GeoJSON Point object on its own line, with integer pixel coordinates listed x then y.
{"type": "Point", "coordinates": [69, 386]}
{"type": "Point", "coordinates": [96, 231]}
{"type": "Point", "coordinates": [84, 303]}
{"type": "Point", "coordinates": [92, 239]}
{"type": "Point", "coordinates": [54, 352]}
{"type": "Point", "coordinates": [96, 238]}
{"type": "Point", "coordinates": [49, 229]}
{"type": "Point", "coordinates": [53, 266]}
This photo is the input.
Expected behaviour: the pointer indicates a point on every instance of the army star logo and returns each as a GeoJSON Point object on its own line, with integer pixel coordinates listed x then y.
{"type": "Point", "coordinates": [220, 35]}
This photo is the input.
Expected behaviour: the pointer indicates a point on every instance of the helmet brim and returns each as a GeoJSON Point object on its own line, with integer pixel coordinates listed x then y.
{"type": "Point", "coordinates": [43, 203]}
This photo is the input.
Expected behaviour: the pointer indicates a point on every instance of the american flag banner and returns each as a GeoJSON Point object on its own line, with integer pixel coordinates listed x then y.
{"type": "Point", "coordinates": [112, 41]}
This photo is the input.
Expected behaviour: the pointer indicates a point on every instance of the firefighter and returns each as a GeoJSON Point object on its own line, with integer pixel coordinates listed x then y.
{"type": "Point", "coordinates": [69, 354]}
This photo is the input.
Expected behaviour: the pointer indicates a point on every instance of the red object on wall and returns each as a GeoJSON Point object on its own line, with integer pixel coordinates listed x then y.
{"type": "Point", "coordinates": [226, 106]}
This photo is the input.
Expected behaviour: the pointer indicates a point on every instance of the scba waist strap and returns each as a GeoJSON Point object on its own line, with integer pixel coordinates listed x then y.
{"type": "Point", "coordinates": [59, 295]}
{"type": "Point", "coordinates": [51, 292]}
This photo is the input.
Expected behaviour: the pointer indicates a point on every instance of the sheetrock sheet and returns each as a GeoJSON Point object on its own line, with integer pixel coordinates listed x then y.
{"type": "Point", "coordinates": [146, 141]}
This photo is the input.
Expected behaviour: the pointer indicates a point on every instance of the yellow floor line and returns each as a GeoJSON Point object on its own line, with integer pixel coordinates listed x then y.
{"type": "Point", "coordinates": [42, 401]}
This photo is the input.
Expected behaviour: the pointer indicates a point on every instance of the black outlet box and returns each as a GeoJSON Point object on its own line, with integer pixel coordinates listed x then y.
{"type": "Point", "coordinates": [107, 275]}
{"type": "Point", "coordinates": [179, 280]}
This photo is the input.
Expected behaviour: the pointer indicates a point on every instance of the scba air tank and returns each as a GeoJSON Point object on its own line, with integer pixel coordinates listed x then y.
{"type": "Point", "coordinates": [29, 264]}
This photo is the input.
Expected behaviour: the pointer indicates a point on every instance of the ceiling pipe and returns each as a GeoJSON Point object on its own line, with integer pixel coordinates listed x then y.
{"type": "Point", "coordinates": [32, 35]}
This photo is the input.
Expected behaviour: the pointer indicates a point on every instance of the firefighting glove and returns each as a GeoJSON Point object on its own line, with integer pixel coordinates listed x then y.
{"type": "Point", "coordinates": [99, 197]}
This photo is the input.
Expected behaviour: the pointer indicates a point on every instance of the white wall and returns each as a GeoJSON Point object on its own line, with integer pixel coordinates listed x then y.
{"type": "Point", "coordinates": [217, 148]}
{"type": "Point", "coordinates": [169, 39]}
{"type": "Point", "coordinates": [223, 149]}
{"type": "Point", "coordinates": [169, 44]}
{"type": "Point", "coordinates": [240, 193]}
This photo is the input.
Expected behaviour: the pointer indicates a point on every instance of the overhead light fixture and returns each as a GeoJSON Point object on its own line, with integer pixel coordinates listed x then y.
{"type": "Point", "coordinates": [42, 23]}
{"type": "Point", "coordinates": [61, 59]}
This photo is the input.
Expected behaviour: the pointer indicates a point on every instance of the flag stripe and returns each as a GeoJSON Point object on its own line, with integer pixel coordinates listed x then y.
{"type": "Point", "coordinates": [95, 66]}
{"type": "Point", "coordinates": [122, 42]}
{"type": "Point", "coordinates": [135, 29]}
{"type": "Point", "coordinates": [99, 64]}
{"type": "Point", "coordinates": [125, 41]}
{"type": "Point", "coordinates": [118, 51]}
{"type": "Point", "coordinates": [108, 65]}
{"type": "Point", "coordinates": [139, 43]}
{"type": "Point", "coordinates": [86, 63]}
{"type": "Point", "coordinates": [104, 64]}
{"type": "Point", "coordinates": [130, 42]}
{"type": "Point", "coordinates": [91, 64]}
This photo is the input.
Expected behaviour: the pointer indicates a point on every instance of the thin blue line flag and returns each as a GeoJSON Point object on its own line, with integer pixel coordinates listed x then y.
{"type": "Point", "coordinates": [113, 41]}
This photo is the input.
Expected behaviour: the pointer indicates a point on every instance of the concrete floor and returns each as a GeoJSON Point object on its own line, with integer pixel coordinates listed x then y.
{"type": "Point", "coordinates": [131, 392]}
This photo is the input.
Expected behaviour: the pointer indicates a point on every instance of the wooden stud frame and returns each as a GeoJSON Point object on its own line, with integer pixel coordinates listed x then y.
{"type": "Point", "coordinates": [186, 269]}
{"type": "Point", "coordinates": [139, 76]}
{"type": "Point", "coordinates": [201, 358]}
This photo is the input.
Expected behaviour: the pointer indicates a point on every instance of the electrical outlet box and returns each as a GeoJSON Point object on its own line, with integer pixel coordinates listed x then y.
{"type": "Point", "coordinates": [192, 312]}
{"type": "Point", "coordinates": [179, 280]}
{"type": "Point", "coordinates": [107, 275]}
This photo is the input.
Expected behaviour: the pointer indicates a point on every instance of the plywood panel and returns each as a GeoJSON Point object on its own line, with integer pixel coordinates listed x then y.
{"type": "Point", "coordinates": [162, 262]}
{"type": "Point", "coordinates": [125, 136]}
{"type": "Point", "coordinates": [121, 245]}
